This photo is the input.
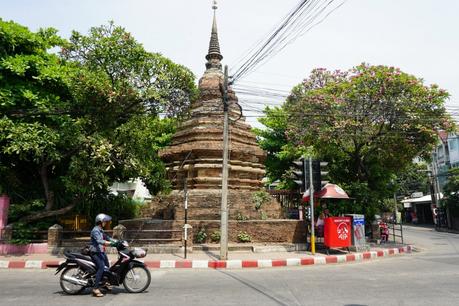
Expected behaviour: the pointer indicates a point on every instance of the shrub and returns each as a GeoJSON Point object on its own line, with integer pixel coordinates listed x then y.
{"type": "Point", "coordinates": [241, 217]}
{"type": "Point", "coordinates": [215, 236]}
{"type": "Point", "coordinates": [119, 207]}
{"type": "Point", "coordinates": [259, 198]}
{"type": "Point", "coordinates": [201, 236]}
{"type": "Point", "coordinates": [244, 237]}
{"type": "Point", "coordinates": [263, 215]}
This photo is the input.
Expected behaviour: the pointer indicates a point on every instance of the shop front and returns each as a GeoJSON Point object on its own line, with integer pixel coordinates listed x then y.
{"type": "Point", "coordinates": [420, 210]}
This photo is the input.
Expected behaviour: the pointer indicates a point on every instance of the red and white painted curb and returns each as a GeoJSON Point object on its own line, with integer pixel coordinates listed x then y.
{"type": "Point", "coordinates": [230, 264]}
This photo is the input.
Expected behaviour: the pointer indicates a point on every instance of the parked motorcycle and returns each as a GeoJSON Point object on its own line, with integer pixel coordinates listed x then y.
{"type": "Point", "coordinates": [79, 271]}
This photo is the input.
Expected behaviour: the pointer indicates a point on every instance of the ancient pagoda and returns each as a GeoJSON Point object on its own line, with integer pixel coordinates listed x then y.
{"type": "Point", "coordinates": [196, 149]}
{"type": "Point", "coordinates": [194, 163]}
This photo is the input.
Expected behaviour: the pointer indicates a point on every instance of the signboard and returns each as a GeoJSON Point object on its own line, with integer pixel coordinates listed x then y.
{"type": "Point", "coordinates": [358, 226]}
{"type": "Point", "coordinates": [337, 232]}
{"type": "Point", "coordinates": [417, 194]}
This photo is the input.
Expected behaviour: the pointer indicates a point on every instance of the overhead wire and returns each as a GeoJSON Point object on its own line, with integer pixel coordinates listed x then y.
{"type": "Point", "coordinates": [297, 22]}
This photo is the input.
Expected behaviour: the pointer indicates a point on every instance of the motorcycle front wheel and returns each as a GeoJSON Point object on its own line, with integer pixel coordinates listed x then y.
{"type": "Point", "coordinates": [137, 279]}
{"type": "Point", "coordinates": [68, 287]}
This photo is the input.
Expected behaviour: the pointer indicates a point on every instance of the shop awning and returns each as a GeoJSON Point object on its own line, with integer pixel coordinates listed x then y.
{"type": "Point", "coordinates": [424, 199]}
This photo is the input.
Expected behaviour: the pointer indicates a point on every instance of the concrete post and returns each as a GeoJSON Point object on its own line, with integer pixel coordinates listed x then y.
{"type": "Point", "coordinates": [4, 207]}
{"type": "Point", "coordinates": [119, 232]}
{"type": "Point", "coordinates": [188, 231]}
{"type": "Point", "coordinates": [7, 233]}
{"type": "Point", "coordinates": [55, 235]}
{"type": "Point", "coordinates": [375, 230]}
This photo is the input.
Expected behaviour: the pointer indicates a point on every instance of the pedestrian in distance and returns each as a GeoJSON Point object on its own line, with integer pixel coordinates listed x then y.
{"type": "Point", "coordinates": [320, 225]}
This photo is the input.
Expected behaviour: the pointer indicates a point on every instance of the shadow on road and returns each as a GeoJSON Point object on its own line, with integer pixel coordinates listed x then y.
{"type": "Point", "coordinates": [253, 287]}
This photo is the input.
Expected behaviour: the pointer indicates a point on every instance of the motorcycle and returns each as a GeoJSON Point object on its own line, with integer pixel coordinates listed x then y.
{"type": "Point", "coordinates": [79, 271]}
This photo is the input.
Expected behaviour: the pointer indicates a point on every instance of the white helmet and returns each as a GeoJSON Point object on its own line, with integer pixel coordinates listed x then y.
{"type": "Point", "coordinates": [102, 218]}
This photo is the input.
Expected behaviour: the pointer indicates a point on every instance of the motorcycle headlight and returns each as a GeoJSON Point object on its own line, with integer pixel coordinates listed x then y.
{"type": "Point", "coordinates": [139, 253]}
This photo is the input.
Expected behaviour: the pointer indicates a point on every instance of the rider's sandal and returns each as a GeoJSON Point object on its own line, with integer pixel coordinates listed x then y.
{"type": "Point", "coordinates": [97, 293]}
{"type": "Point", "coordinates": [107, 287]}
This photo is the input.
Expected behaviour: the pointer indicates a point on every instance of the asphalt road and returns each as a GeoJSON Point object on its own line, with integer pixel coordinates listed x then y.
{"type": "Point", "coordinates": [429, 277]}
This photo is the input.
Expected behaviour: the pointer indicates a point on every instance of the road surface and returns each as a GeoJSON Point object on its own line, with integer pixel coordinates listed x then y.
{"type": "Point", "coordinates": [430, 277]}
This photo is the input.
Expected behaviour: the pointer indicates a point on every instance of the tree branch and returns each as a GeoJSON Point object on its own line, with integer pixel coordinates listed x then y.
{"type": "Point", "coordinates": [51, 213]}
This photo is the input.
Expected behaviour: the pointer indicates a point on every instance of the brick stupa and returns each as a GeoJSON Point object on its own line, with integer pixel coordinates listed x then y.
{"type": "Point", "coordinates": [196, 149]}
{"type": "Point", "coordinates": [195, 158]}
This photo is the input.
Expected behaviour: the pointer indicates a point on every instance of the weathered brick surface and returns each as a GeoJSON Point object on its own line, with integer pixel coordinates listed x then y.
{"type": "Point", "coordinates": [196, 150]}
{"type": "Point", "coordinates": [288, 231]}
{"type": "Point", "coordinates": [205, 205]}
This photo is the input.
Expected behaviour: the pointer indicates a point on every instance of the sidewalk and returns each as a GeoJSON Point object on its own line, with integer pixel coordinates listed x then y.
{"type": "Point", "coordinates": [210, 259]}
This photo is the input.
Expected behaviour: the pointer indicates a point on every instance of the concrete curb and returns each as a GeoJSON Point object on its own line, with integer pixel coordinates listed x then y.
{"type": "Point", "coordinates": [231, 264]}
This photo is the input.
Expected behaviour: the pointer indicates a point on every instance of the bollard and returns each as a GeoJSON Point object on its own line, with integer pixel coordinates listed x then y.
{"type": "Point", "coordinates": [55, 235]}
{"type": "Point", "coordinates": [119, 232]}
{"type": "Point", "coordinates": [7, 233]}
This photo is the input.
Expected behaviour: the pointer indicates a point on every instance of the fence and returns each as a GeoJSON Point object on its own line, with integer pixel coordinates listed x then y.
{"type": "Point", "coordinates": [395, 231]}
{"type": "Point", "coordinates": [57, 236]}
{"type": "Point", "coordinates": [139, 237]}
{"type": "Point", "coordinates": [441, 218]}
{"type": "Point", "coordinates": [22, 236]}
{"type": "Point", "coordinates": [290, 201]}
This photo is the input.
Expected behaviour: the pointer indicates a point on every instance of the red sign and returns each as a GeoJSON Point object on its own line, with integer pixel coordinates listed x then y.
{"type": "Point", "coordinates": [337, 232]}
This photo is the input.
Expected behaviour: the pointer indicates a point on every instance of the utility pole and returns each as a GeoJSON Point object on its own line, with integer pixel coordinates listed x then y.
{"type": "Point", "coordinates": [186, 216]}
{"type": "Point", "coordinates": [224, 204]}
{"type": "Point", "coordinates": [311, 203]}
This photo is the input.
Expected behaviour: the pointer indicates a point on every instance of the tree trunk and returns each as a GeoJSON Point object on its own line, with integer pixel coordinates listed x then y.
{"type": "Point", "coordinates": [49, 195]}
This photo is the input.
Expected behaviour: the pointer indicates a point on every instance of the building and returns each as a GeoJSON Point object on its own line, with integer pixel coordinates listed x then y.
{"type": "Point", "coordinates": [444, 158]}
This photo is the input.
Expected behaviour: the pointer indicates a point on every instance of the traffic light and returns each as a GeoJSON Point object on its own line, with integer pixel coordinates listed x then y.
{"type": "Point", "coordinates": [319, 173]}
{"type": "Point", "coordinates": [300, 173]}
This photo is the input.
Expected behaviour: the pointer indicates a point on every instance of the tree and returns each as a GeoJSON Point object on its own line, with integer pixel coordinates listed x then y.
{"type": "Point", "coordinates": [69, 128]}
{"type": "Point", "coordinates": [413, 178]}
{"type": "Point", "coordinates": [451, 191]}
{"type": "Point", "coordinates": [140, 80]}
{"type": "Point", "coordinates": [35, 94]}
{"type": "Point", "coordinates": [368, 122]}
{"type": "Point", "coordinates": [273, 140]}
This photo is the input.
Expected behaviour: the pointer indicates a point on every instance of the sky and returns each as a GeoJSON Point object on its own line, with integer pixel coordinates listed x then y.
{"type": "Point", "coordinates": [419, 36]}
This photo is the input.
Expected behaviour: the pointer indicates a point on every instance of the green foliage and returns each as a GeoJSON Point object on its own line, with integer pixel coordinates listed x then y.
{"type": "Point", "coordinates": [119, 207]}
{"type": "Point", "coordinates": [413, 179]}
{"type": "Point", "coordinates": [241, 217]}
{"type": "Point", "coordinates": [73, 124]}
{"type": "Point", "coordinates": [259, 198]}
{"type": "Point", "coordinates": [151, 80]}
{"type": "Point", "coordinates": [215, 236]}
{"type": "Point", "coordinates": [451, 191]}
{"type": "Point", "coordinates": [17, 210]}
{"type": "Point", "coordinates": [244, 237]}
{"type": "Point", "coordinates": [274, 141]}
{"type": "Point", "coordinates": [22, 234]}
{"type": "Point", "coordinates": [263, 215]}
{"type": "Point", "coordinates": [201, 236]}
{"type": "Point", "coordinates": [25, 233]}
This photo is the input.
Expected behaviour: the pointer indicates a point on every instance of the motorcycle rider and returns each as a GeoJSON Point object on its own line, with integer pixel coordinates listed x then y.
{"type": "Point", "coordinates": [100, 240]}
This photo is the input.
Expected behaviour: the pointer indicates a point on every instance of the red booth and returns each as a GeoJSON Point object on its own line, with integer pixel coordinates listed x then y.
{"type": "Point", "coordinates": [337, 232]}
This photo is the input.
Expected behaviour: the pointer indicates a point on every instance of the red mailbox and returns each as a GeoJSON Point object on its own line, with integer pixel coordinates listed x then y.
{"type": "Point", "coordinates": [337, 232]}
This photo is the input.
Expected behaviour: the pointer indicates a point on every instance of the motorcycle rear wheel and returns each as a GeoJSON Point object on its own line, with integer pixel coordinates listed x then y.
{"type": "Point", "coordinates": [68, 287]}
{"type": "Point", "coordinates": [137, 279]}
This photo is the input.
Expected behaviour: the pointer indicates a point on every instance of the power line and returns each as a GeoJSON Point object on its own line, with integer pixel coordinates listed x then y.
{"type": "Point", "coordinates": [296, 23]}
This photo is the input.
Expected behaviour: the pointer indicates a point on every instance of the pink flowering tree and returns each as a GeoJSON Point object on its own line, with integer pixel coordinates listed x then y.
{"type": "Point", "coordinates": [369, 122]}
